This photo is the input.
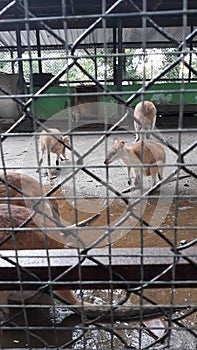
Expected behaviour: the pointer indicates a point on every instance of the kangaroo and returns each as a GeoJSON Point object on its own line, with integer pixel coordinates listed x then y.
{"type": "Point", "coordinates": [22, 185]}
{"type": "Point", "coordinates": [149, 155]}
{"type": "Point", "coordinates": [146, 113]}
{"type": "Point", "coordinates": [33, 235]}
{"type": "Point", "coordinates": [50, 144]}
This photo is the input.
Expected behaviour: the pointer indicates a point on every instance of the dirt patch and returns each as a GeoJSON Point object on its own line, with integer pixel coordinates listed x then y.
{"type": "Point", "coordinates": [176, 223]}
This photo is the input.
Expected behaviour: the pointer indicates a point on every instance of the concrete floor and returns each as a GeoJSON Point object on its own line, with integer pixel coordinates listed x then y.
{"type": "Point", "coordinates": [20, 154]}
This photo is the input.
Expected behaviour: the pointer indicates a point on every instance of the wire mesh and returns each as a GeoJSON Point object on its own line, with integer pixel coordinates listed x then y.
{"type": "Point", "coordinates": [87, 261]}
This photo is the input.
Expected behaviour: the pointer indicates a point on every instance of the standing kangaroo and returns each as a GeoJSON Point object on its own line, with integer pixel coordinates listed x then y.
{"type": "Point", "coordinates": [149, 155]}
{"type": "Point", "coordinates": [146, 113]}
{"type": "Point", "coordinates": [50, 144]}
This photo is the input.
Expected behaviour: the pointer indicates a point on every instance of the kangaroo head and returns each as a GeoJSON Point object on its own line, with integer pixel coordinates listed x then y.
{"type": "Point", "coordinates": [115, 152]}
{"type": "Point", "coordinates": [65, 139]}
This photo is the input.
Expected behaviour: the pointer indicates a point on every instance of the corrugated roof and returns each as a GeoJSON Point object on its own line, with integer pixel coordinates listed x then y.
{"type": "Point", "coordinates": [131, 37]}
{"type": "Point", "coordinates": [77, 16]}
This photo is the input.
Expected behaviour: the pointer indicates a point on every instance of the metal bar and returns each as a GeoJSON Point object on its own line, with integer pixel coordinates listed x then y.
{"type": "Point", "coordinates": [20, 63]}
{"type": "Point", "coordinates": [114, 57]}
{"type": "Point", "coordinates": [120, 71]}
{"type": "Point", "coordinates": [39, 50]}
{"type": "Point", "coordinates": [125, 263]}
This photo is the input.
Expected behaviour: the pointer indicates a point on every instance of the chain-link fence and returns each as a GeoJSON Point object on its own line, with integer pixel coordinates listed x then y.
{"type": "Point", "coordinates": [98, 196]}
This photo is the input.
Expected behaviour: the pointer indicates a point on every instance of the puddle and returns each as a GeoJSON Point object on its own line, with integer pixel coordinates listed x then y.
{"type": "Point", "coordinates": [46, 327]}
{"type": "Point", "coordinates": [37, 327]}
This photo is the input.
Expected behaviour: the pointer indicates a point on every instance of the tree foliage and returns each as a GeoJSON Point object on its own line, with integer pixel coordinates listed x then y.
{"type": "Point", "coordinates": [137, 64]}
{"type": "Point", "coordinates": [169, 56]}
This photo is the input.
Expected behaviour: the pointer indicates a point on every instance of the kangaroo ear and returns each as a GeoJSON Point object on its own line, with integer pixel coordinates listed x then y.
{"type": "Point", "coordinates": [122, 144]}
{"type": "Point", "coordinates": [116, 141]}
{"type": "Point", "coordinates": [65, 139]}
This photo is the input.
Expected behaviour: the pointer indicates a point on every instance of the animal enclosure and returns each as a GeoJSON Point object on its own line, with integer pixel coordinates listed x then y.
{"type": "Point", "coordinates": [88, 260]}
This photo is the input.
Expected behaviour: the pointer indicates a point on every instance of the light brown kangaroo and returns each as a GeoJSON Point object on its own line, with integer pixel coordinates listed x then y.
{"type": "Point", "coordinates": [50, 144]}
{"type": "Point", "coordinates": [149, 155]}
{"type": "Point", "coordinates": [32, 236]}
{"type": "Point", "coordinates": [26, 185]}
{"type": "Point", "coordinates": [146, 113]}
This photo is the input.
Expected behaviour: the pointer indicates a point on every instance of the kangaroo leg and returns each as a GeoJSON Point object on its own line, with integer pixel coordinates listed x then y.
{"type": "Point", "coordinates": [147, 136]}
{"type": "Point", "coordinates": [129, 175]}
{"type": "Point", "coordinates": [137, 178]}
{"type": "Point", "coordinates": [41, 159]}
{"type": "Point", "coordinates": [154, 121]}
{"type": "Point", "coordinates": [137, 128]}
{"type": "Point", "coordinates": [63, 154]}
{"type": "Point", "coordinates": [137, 137]}
{"type": "Point", "coordinates": [58, 162]}
{"type": "Point", "coordinates": [154, 171]}
{"type": "Point", "coordinates": [153, 180]}
{"type": "Point", "coordinates": [49, 164]}
{"type": "Point", "coordinates": [160, 173]}
{"type": "Point", "coordinates": [152, 125]}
